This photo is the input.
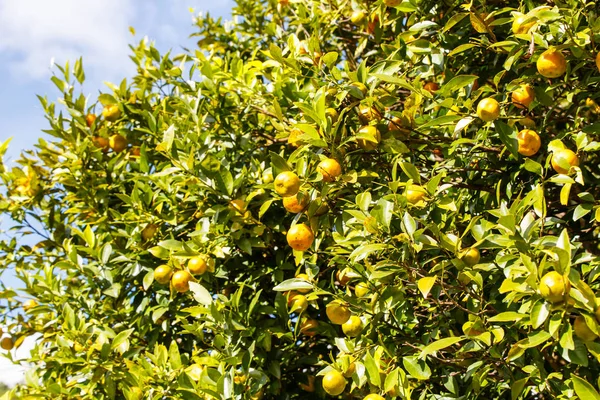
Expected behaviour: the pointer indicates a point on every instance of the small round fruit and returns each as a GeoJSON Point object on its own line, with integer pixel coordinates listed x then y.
{"type": "Point", "coordinates": [518, 27]}
{"type": "Point", "coordinates": [149, 231]}
{"type": "Point", "coordinates": [163, 274]}
{"type": "Point", "coordinates": [307, 279]}
{"type": "Point", "coordinates": [238, 206]}
{"type": "Point", "coordinates": [197, 265]}
{"type": "Point", "coordinates": [135, 151]}
{"type": "Point", "coordinates": [90, 119]}
{"type": "Point", "coordinates": [297, 303]}
{"type": "Point", "coordinates": [529, 142]}
{"type": "Point", "coordinates": [6, 343]}
{"type": "Point", "coordinates": [334, 383]}
{"type": "Point", "coordinates": [374, 138]}
{"type": "Point", "coordinates": [267, 176]}
{"type": "Point", "coordinates": [296, 203]}
{"type": "Point", "coordinates": [415, 194]}
{"type": "Point", "coordinates": [345, 275]}
{"type": "Point", "coordinates": [563, 158]}
{"type": "Point", "coordinates": [582, 331]}
{"type": "Point", "coordinates": [488, 109]}
{"type": "Point", "coordinates": [332, 113]}
{"type": "Point", "coordinates": [471, 257]}
{"type": "Point", "coordinates": [361, 289]}
{"type": "Point", "coordinates": [373, 396]}
{"type": "Point", "coordinates": [300, 237]}
{"type": "Point", "coordinates": [368, 114]}
{"type": "Point", "coordinates": [117, 143]}
{"type": "Point", "coordinates": [29, 304]}
{"type": "Point", "coordinates": [554, 287]}
{"type": "Point", "coordinates": [111, 113]}
{"type": "Point", "coordinates": [551, 64]}
{"type": "Point", "coordinates": [523, 96]}
{"type": "Point", "coordinates": [101, 143]}
{"type": "Point", "coordinates": [337, 312]}
{"type": "Point", "coordinates": [358, 17]}
{"type": "Point", "coordinates": [353, 327]}
{"type": "Point", "coordinates": [294, 138]}
{"type": "Point", "coordinates": [330, 169]}
{"type": "Point", "coordinates": [309, 327]}
{"type": "Point", "coordinates": [431, 87]}
{"type": "Point", "coordinates": [361, 87]}
{"type": "Point", "coordinates": [181, 281]}
{"type": "Point", "coordinates": [598, 61]}
{"type": "Point", "coordinates": [287, 184]}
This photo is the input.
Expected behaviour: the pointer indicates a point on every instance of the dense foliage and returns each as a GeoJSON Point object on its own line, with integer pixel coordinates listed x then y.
{"type": "Point", "coordinates": [461, 251]}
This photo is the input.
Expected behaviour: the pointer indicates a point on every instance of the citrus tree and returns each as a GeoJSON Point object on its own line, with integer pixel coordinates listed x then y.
{"type": "Point", "coordinates": [367, 199]}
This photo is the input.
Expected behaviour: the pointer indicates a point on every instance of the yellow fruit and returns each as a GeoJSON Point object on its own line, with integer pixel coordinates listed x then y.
{"type": "Point", "coordinates": [374, 138]}
{"type": "Point", "coordinates": [111, 113]}
{"type": "Point", "coordinates": [296, 203]}
{"type": "Point", "coordinates": [554, 287]}
{"type": "Point", "coordinates": [431, 87]}
{"type": "Point", "coordinates": [287, 184]}
{"type": "Point", "coordinates": [471, 257]}
{"type": "Point", "coordinates": [551, 64]}
{"type": "Point", "coordinates": [181, 281]}
{"type": "Point", "coordinates": [78, 348]}
{"type": "Point", "coordinates": [300, 237]}
{"type": "Point", "coordinates": [294, 138]}
{"type": "Point", "coordinates": [29, 304]}
{"type": "Point", "coordinates": [149, 231]}
{"type": "Point", "coordinates": [361, 289]}
{"type": "Point", "coordinates": [392, 3]}
{"type": "Point", "coordinates": [598, 61]}
{"type": "Point", "coordinates": [337, 312]}
{"type": "Point", "coordinates": [334, 383]}
{"type": "Point", "coordinates": [523, 96]}
{"type": "Point", "coordinates": [582, 331]}
{"type": "Point", "coordinates": [518, 27]}
{"type": "Point", "coordinates": [415, 194]}
{"type": "Point", "coordinates": [368, 114]}
{"type": "Point", "coordinates": [306, 278]}
{"type": "Point", "coordinates": [332, 113]}
{"type": "Point", "coordinates": [163, 274]}
{"type": "Point", "coordinates": [358, 17]}
{"type": "Point", "coordinates": [89, 119]}
{"type": "Point", "coordinates": [101, 143]}
{"type": "Point", "coordinates": [562, 160]}
{"type": "Point", "coordinates": [361, 87]}
{"type": "Point", "coordinates": [308, 327]}
{"type": "Point", "coordinates": [597, 314]}
{"type": "Point", "coordinates": [297, 303]}
{"type": "Point", "coordinates": [529, 142]}
{"type": "Point", "coordinates": [488, 109]}
{"type": "Point", "coordinates": [350, 371]}
{"type": "Point", "coordinates": [238, 205]}
{"type": "Point", "coordinates": [117, 143]}
{"type": "Point", "coordinates": [345, 275]}
{"type": "Point", "coordinates": [353, 327]}
{"type": "Point", "coordinates": [6, 343]}
{"type": "Point", "coordinates": [373, 397]}
{"type": "Point", "coordinates": [197, 265]}
{"type": "Point", "coordinates": [330, 169]}
{"type": "Point", "coordinates": [396, 125]}
{"type": "Point", "coordinates": [267, 176]}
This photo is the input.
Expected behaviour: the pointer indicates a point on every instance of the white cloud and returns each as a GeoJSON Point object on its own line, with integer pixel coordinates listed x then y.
{"type": "Point", "coordinates": [10, 373]}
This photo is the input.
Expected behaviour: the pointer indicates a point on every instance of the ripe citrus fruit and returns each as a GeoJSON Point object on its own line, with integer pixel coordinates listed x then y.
{"type": "Point", "coordinates": [368, 114]}
{"type": "Point", "coordinates": [523, 96]}
{"type": "Point", "coordinates": [306, 278]}
{"type": "Point", "coordinates": [374, 138]}
{"type": "Point", "coordinates": [297, 302]}
{"type": "Point", "coordinates": [149, 231]}
{"type": "Point", "coordinates": [29, 304]}
{"type": "Point", "coordinates": [101, 143]}
{"type": "Point", "coordinates": [431, 87]}
{"type": "Point", "coordinates": [181, 281]}
{"type": "Point", "coordinates": [135, 151]}
{"type": "Point", "coordinates": [598, 61]}
{"type": "Point", "coordinates": [582, 331]}
{"type": "Point", "coordinates": [358, 17]}
{"type": "Point", "coordinates": [471, 257]}
{"type": "Point", "coordinates": [111, 113]}
{"type": "Point", "coordinates": [518, 27]}
{"type": "Point", "coordinates": [488, 109]}
{"type": "Point", "coordinates": [330, 169]}
{"type": "Point", "coordinates": [345, 275]}
{"type": "Point", "coordinates": [551, 64]}
{"type": "Point", "coordinates": [360, 86]}
{"type": "Point", "coordinates": [529, 142]}
{"type": "Point", "coordinates": [89, 119]}
{"type": "Point", "coordinates": [332, 113]}
{"type": "Point", "coordinates": [287, 184]}
{"type": "Point", "coordinates": [415, 194]}
{"type": "Point", "coordinates": [337, 312]}
{"type": "Point", "coordinates": [238, 205]}
{"type": "Point", "coordinates": [300, 237]}
{"type": "Point", "coordinates": [554, 287]}
{"type": "Point", "coordinates": [353, 327]}
{"type": "Point", "coordinates": [296, 203]}
{"type": "Point", "coordinates": [308, 327]}
{"type": "Point", "coordinates": [562, 160]}
{"type": "Point", "coordinates": [373, 397]}
{"type": "Point", "coordinates": [294, 138]}
{"type": "Point", "coordinates": [6, 343]}
{"type": "Point", "coordinates": [163, 274]}
{"type": "Point", "coordinates": [334, 383]}
{"type": "Point", "coordinates": [397, 125]}
{"type": "Point", "coordinates": [117, 143]}
{"type": "Point", "coordinates": [197, 265]}
{"type": "Point", "coordinates": [361, 289]}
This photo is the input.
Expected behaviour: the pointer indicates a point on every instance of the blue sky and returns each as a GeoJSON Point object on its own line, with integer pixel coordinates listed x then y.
{"type": "Point", "coordinates": [35, 32]}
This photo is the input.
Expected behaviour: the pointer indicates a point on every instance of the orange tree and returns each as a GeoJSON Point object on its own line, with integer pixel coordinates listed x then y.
{"type": "Point", "coordinates": [437, 236]}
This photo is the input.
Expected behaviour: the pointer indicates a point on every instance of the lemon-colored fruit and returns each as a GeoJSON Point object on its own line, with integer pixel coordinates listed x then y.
{"type": "Point", "coordinates": [197, 265]}
{"type": "Point", "coordinates": [554, 287]}
{"type": "Point", "coordinates": [562, 160]}
{"type": "Point", "coordinates": [111, 113]}
{"type": "Point", "coordinates": [582, 331]}
{"type": "Point", "coordinates": [29, 304]}
{"type": "Point", "coordinates": [471, 257]}
{"type": "Point", "coordinates": [551, 64]}
{"type": "Point", "coordinates": [529, 142]}
{"type": "Point", "coordinates": [287, 184]}
{"type": "Point", "coordinates": [6, 343]}
{"type": "Point", "coordinates": [296, 203]}
{"type": "Point", "coordinates": [518, 27]}
{"type": "Point", "coordinates": [294, 138]}
{"type": "Point", "coordinates": [415, 194]}
{"type": "Point", "coordinates": [181, 281]}
{"type": "Point", "coordinates": [373, 396]}
{"type": "Point", "coordinates": [306, 278]}
{"type": "Point", "coordinates": [374, 138]}
{"type": "Point", "coordinates": [163, 274]}
{"type": "Point", "coordinates": [334, 383]}
{"type": "Point", "coordinates": [353, 327]}
{"type": "Point", "coordinates": [523, 96]}
{"type": "Point", "coordinates": [297, 303]}
{"type": "Point", "coordinates": [117, 143]}
{"type": "Point", "coordinates": [361, 289]}
{"type": "Point", "coordinates": [337, 312]}
{"type": "Point", "coordinates": [300, 237]}
{"type": "Point", "coordinates": [358, 17]}
{"type": "Point", "coordinates": [361, 87]}
{"type": "Point", "coordinates": [488, 109]}
{"type": "Point", "coordinates": [149, 231]}
{"type": "Point", "coordinates": [332, 113]}
{"type": "Point", "coordinates": [330, 169]}
{"type": "Point", "coordinates": [238, 205]}
{"type": "Point", "coordinates": [367, 114]}
{"type": "Point", "coordinates": [309, 327]}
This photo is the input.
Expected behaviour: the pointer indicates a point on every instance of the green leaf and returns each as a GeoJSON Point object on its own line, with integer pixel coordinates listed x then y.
{"type": "Point", "coordinates": [441, 121]}
{"type": "Point", "coordinates": [508, 316]}
{"type": "Point", "coordinates": [417, 368]}
{"type": "Point", "coordinates": [455, 19]}
{"type": "Point", "coordinates": [508, 137]}
{"type": "Point", "coordinates": [439, 345]}
{"type": "Point", "coordinates": [534, 340]}
{"type": "Point", "coordinates": [201, 295]}
{"type": "Point", "coordinates": [411, 171]}
{"type": "Point", "coordinates": [583, 389]}
{"type": "Point", "coordinates": [457, 83]}
{"type": "Point", "coordinates": [517, 387]}
{"type": "Point", "coordinates": [121, 338]}
{"type": "Point", "coordinates": [279, 164]}
{"type": "Point", "coordinates": [174, 356]}
{"type": "Point", "coordinates": [539, 314]}
{"type": "Point", "coordinates": [425, 284]}
{"type": "Point", "coordinates": [372, 370]}
{"type": "Point", "coordinates": [293, 284]}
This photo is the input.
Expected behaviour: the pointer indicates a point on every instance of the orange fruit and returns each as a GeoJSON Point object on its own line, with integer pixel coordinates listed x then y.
{"type": "Point", "coordinates": [373, 133]}
{"type": "Point", "coordinates": [392, 3]}
{"type": "Point", "coordinates": [297, 302]}
{"type": "Point", "coordinates": [163, 274]}
{"type": "Point", "coordinates": [372, 24]}
{"type": "Point", "coordinates": [373, 396]}
{"type": "Point", "coordinates": [562, 161]}
{"type": "Point", "coordinates": [367, 114]}
{"type": "Point", "coordinates": [6, 343]}
{"type": "Point", "coordinates": [582, 331]}
{"type": "Point", "coordinates": [471, 257]}
{"type": "Point", "coordinates": [300, 237]}
{"type": "Point", "coordinates": [181, 281]}
{"type": "Point", "coordinates": [529, 142]}
{"type": "Point", "coordinates": [29, 304]}
{"type": "Point", "coordinates": [308, 327]}
{"type": "Point", "coordinates": [296, 203]}
{"type": "Point", "coordinates": [554, 287]}
{"type": "Point", "coordinates": [334, 383]}
{"type": "Point", "coordinates": [337, 312]}
{"type": "Point", "coordinates": [89, 119]}
{"type": "Point", "coordinates": [287, 184]}
{"type": "Point", "coordinates": [135, 151]}
{"type": "Point", "coordinates": [238, 205]}
{"type": "Point", "coordinates": [294, 137]}
{"type": "Point", "coordinates": [518, 27]}
{"type": "Point", "coordinates": [117, 143]}
{"type": "Point", "coordinates": [361, 289]}
{"type": "Point", "coordinates": [330, 169]}
{"type": "Point", "coordinates": [358, 17]}
{"type": "Point", "coordinates": [551, 64]}
{"type": "Point", "coordinates": [197, 265]}
{"type": "Point", "coordinates": [598, 61]}
{"type": "Point", "coordinates": [415, 194]}
{"type": "Point", "coordinates": [353, 327]}
{"type": "Point", "coordinates": [431, 87]}
{"type": "Point", "coordinates": [111, 113]}
{"type": "Point", "coordinates": [397, 125]}
{"type": "Point", "coordinates": [149, 231]}
{"type": "Point", "coordinates": [488, 109]}
{"type": "Point", "coordinates": [101, 143]}
{"type": "Point", "coordinates": [523, 96]}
